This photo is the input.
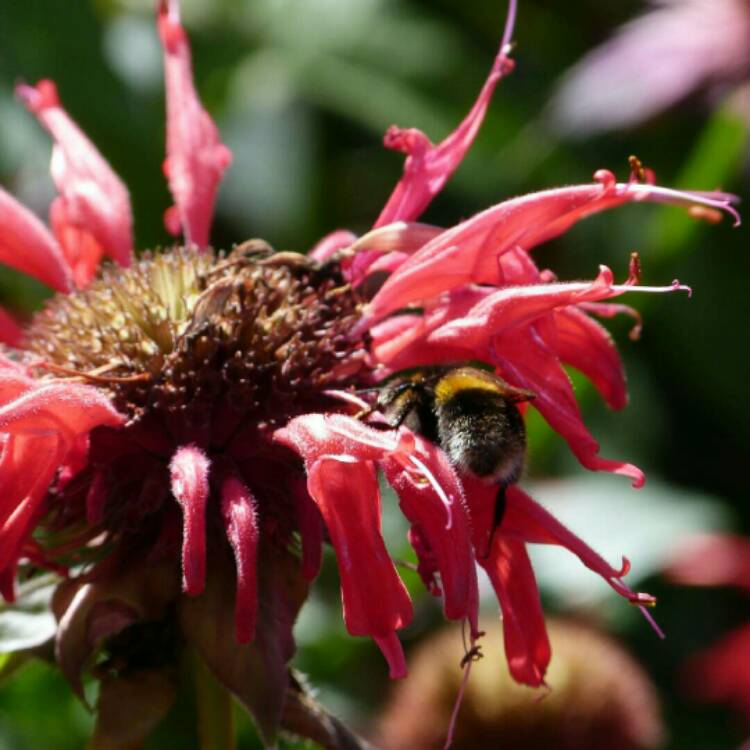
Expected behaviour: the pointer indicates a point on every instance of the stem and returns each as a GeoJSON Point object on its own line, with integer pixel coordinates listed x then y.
{"type": "Point", "coordinates": [214, 703]}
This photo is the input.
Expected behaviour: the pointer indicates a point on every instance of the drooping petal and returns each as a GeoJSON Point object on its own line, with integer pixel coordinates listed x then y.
{"type": "Point", "coordinates": [27, 245]}
{"type": "Point", "coordinates": [527, 362]}
{"type": "Point", "coordinates": [437, 509]}
{"type": "Point", "coordinates": [584, 344]}
{"type": "Point", "coordinates": [189, 469]}
{"type": "Point", "coordinates": [240, 514]}
{"type": "Point", "coordinates": [196, 157]}
{"type": "Point", "coordinates": [374, 598]}
{"type": "Point", "coordinates": [468, 253]}
{"type": "Point", "coordinates": [93, 199]}
{"type": "Point", "coordinates": [527, 646]}
{"type": "Point", "coordinates": [526, 520]}
{"type": "Point", "coordinates": [428, 167]}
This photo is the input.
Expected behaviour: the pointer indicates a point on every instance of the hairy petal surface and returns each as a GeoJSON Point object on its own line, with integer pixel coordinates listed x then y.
{"type": "Point", "coordinates": [196, 157]}
{"type": "Point", "coordinates": [189, 469]}
{"type": "Point", "coordinates": [94, 204]}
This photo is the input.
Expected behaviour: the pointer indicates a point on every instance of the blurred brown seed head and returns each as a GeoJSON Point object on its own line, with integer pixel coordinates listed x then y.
{"type": "Point", "coordinates": [600, 697]}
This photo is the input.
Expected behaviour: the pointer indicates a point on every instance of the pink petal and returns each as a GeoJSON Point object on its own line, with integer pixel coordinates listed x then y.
{"type": "Point", "coordinates": [374, 598]}
{"type": "Point", "coordinates": [527, 646]}
{"type": "Point", "coordinates": [469, 252]}
{"type": "Point", "coordinates": [10, 332]}
{"type": "Point", "coordinates": [189, 475]}
{"type": "Point", "coordinates": [240, 514]}
{"type": "Point", "coordinates": [331, 244]}
{"type": "Point", "coordinates": [82, 251]}
{"type": "Point", "coordinates": [68, 409]}
{"type": "Point", "coordinates": [712, 560]}
{"type": "Point", "coordinates": [27, 467]}
{"type": "Point", "coordinates": [196, 157]}
{"type": "Point", "coordinates": [584, 344]}
{"type": "Point", "coordinates": [611, 310]}
{"type": "Point", "coordinates": [443, 523]}
{"type": "Point", "coordinates": [527, 362]}
{"type": "Point", "coordinates": [652, 63]}
{"type": "Point", "coordinates": [428, 167]}
{"type": "Point", "coordinates": [27, 245]}
{"type": "Point", "coordinates": [95, 201]}
{"type": "Point", "coordinates": [314, 436]}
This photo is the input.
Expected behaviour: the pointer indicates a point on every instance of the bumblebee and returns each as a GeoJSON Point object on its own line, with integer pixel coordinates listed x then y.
{"type": "Point", "coordinates": [470, 413]}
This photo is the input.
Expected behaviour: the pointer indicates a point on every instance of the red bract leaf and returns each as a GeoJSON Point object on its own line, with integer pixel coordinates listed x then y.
{"type": "Point", "coordinates": [27, 245]}
{"type": "Point", "coordinates": [196, 157]}
{"type": "Point", "coordinates": [94, 205]}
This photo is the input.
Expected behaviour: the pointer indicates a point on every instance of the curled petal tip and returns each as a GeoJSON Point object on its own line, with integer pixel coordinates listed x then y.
{"type": "Point", "coordinates": [40, 97]}
{"type": "Point", "coordinates": [624, 568]}
{"type": "Point", "coordinates": [606, 179]}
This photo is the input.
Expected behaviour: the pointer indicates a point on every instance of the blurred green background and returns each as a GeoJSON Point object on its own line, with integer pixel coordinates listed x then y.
{"type": "Point", "coordinates": [302, 91]}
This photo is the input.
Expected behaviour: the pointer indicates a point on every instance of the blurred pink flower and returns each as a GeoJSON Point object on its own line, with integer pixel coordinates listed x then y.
{"type": "Point", "coordinates": [677, 48]}
{"type": "Point", "coordinates": [166, 406]}
{"type": "Point", "coordinates": [720, 673]}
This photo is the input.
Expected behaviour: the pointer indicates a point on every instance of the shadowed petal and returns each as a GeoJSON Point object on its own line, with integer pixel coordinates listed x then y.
{"type": "Point", "coordinates": [189, 475]}
{"type": "Point", "coordinates": [27, 245]}
{"type": "Point", "coordinates": [10, 332]}
{"type": "Point", "coordinates": [93, 200]}
{"type": "Point", "coordinates": [527, 362]}
{"type": "Point", "coordinates": [196, 157]}
{"type": "Point", "coordinates": [374, 599]}
{"type": "Point", "coordinates": [439, 513]}
{"type": "Point", "coordinates": [239, 510]}
{"type": "Point", "coordinates": [525, 635]}
{"type": "Point", "coordinates": [586, 345]}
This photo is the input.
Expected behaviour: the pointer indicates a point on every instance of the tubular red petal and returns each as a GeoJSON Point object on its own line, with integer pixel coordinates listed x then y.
{"type": "Point", "coordinates": [316, 435]}
{"type": "Point", "coordinates": [96, 202]}
{"type": "Point", "coordinates": [196, 157]}
{"type": "Point", "coordinates": [189, 469]}
{"type": "Point", "coordinates": [69, 409]}
{"type": "Point", "coordinates": [428, 167]}
{"type": "Point", "coordinates": [527, 362]}
{"type": "Point", "coordinates": [82, 251]}
{"type": "Point", "coordinates": [374, 598]}
{"type": "Point", "coordinates": [449, 538]}
{"type": "Point", "coordinates": [469, 252]}
{"type": "Point", "coordinates": [394, 655]}
{"type": "Point", "coordinates": [240, 514]}
{"type": "Point", "coordinates": [10, 332]}
{"type": "Point", "coordinates": [527, 646]}
{"type": "Point", "coordinates": [27, 245]}
{"type": "Point", "coordinates": [587, 346]}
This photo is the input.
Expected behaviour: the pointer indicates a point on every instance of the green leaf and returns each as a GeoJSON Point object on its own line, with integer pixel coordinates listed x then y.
{"type": "Point", "coordinates": [28, 622]}
{"type": "Point", "coordinates": [215, 719]}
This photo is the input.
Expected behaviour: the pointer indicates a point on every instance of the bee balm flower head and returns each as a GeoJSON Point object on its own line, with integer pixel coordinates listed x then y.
{"type": "Point", "coordinates": [180, 432]}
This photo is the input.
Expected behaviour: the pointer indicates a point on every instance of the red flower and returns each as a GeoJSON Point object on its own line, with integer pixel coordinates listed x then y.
{"type": "Point", "coordinates": [719, 673]}
{"type": "Point", "coordinates": [172, 400]}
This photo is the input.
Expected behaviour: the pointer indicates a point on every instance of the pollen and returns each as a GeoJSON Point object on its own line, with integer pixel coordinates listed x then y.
{"type": "Point", "coordinates": [179, 333]}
